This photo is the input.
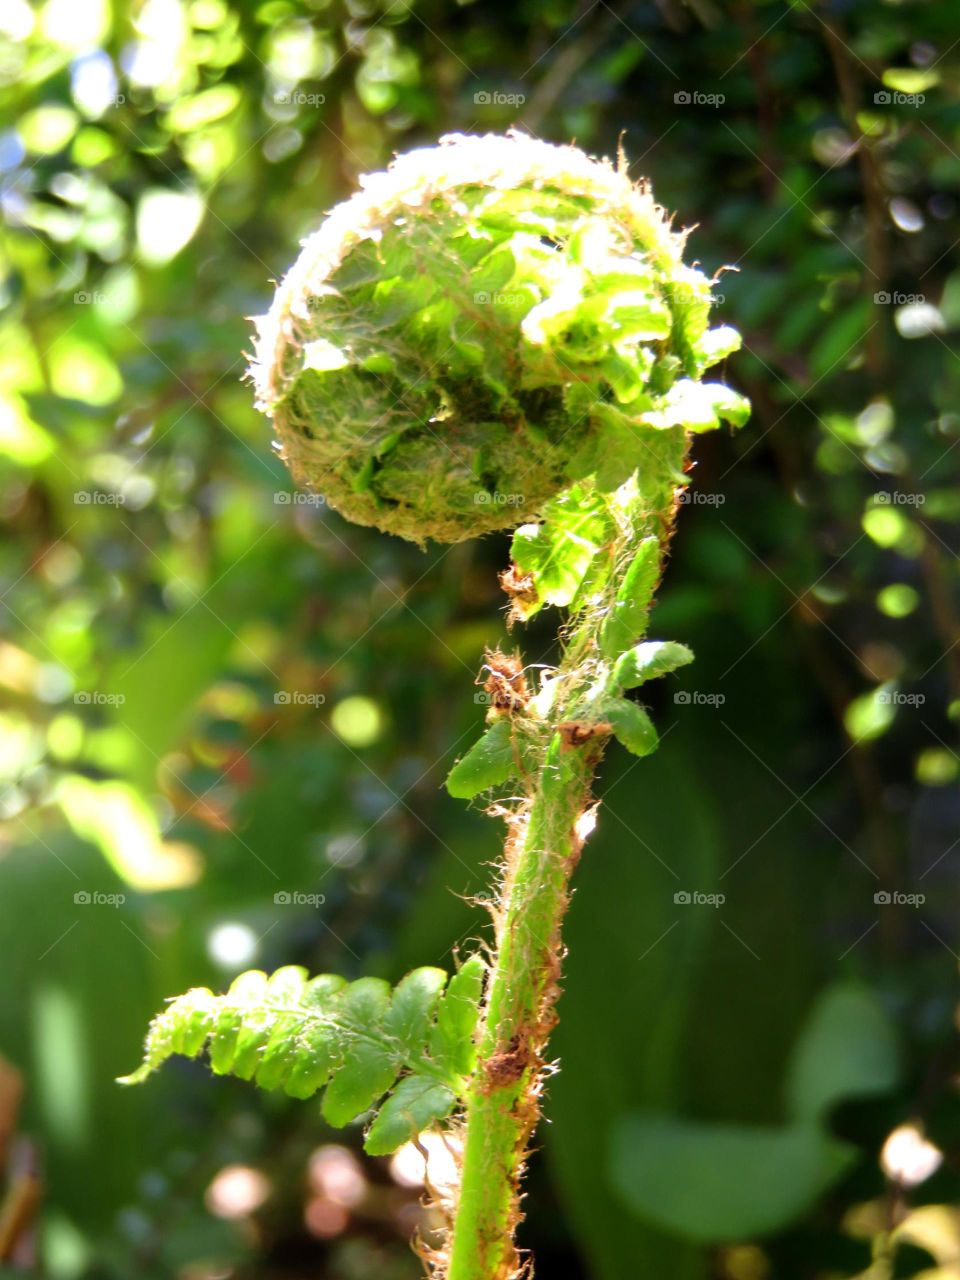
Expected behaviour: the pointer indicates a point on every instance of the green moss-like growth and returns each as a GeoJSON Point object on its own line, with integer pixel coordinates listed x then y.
{"type": "Point", "coordinates": [482, 324]}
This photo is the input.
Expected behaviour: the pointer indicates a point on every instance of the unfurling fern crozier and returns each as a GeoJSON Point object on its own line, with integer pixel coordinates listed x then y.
{"type": "Point", "coordinates": [494, 333]}
{"type": "Point", "coordinates": [477, 328]}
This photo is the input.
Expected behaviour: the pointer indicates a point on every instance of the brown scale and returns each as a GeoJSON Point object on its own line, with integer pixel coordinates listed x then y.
{"type": "Point", "coordinates": [508, 1065]}
{"type": "Point", "coordinates": [521, 591]}
{"type": "Point", "coordinates": [575, 733]}
{"type": "Point", "coordinates": [505, 682]}
{"type": "Point", "coordinates": [518, 585]}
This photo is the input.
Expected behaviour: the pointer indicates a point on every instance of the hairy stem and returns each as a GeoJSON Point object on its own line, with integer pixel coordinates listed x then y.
{"type": "Point", "coordinates": [542, 851]}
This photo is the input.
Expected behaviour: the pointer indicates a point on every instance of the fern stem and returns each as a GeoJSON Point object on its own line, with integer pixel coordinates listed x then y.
{"type": "Point", "coordinates": [503, 1104]}
{"type": "Point", "coordinates": [503, 1100]}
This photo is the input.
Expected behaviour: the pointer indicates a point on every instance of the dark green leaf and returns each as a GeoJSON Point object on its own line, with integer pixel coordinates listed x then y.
{"type": "Point", "coordinates": [489, 762]}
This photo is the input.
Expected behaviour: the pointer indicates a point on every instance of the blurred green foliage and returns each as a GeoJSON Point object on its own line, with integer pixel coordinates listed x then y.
{"type": "Point", "coordinates": [213, 694]}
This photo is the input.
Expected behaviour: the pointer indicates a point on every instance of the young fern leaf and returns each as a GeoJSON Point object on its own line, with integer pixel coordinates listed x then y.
{"type": "Point", "coordinates": [628, 617]}
{"type": "Point", "coordinates": [489, 762]}
{"type": "Point", "coordinates": [649, 660]}
{"type": "Point", "coordinates": [359, 1041]}
{"type": "Point", "coordinates": [631, 725]}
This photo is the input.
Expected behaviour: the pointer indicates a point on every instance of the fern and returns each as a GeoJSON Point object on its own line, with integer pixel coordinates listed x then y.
{"type": "Point", "coordinates": [358, 1041]}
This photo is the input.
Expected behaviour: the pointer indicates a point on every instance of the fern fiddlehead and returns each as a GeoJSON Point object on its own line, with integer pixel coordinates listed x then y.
{"type": "Point", "coordinates": [492, 326]}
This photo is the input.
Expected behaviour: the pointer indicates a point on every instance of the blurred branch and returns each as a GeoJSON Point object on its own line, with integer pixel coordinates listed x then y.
{"type": "Point", "coordinates": [756, 55]}
{"type": "Point", "coordinates": [569, 62]}
{"type": "Point", "coordinates": [19, 1206]}
{"type": "Point", "coordinates": [872, 184]}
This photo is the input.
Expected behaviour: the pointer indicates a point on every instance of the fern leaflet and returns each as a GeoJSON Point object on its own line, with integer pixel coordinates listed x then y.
{"type": "Point", "coordinates": [358, 1041]}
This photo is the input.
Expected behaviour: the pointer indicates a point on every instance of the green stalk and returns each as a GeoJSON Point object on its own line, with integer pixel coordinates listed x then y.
{"type": "Point", "coordinates": [503, 1100]}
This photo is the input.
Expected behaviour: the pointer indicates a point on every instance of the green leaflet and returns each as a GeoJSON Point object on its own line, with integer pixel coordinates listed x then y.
{"type": "Point", "coordinates": [648, 660]}
{"type": "Point", "coordinates": [719, 343]}
{"type": "Point", "coordinates": [632, 727]}
{"type": "Point", "coordinates": [451, 1038]}
{"type": "Point", "coordinates": [414, 1105]}
{"type": "Point", "coordinates": [489, 762]}
{"type": "Point", "coordinates": [699, 406]}
{"type": "Point", "coordinates": [559, 551]}
{"type": "Point", "coordinates": [361, 1040]}
{"type": "Point", "coordinates": [628, 616]}
{"type": "Point", "coordinates": [413, 1007]}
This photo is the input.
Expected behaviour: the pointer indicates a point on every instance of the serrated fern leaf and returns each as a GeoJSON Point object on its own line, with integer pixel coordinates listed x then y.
{"type": "Point", "coordinates": [359, 1041]}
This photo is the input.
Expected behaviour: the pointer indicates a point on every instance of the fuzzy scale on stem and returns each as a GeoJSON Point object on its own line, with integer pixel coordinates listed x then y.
{"type": "Point", "coordinates": [503, 1105]}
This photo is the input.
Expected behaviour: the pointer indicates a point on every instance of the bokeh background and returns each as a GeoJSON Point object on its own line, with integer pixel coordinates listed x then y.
{"type": "Point", "coordinates": [226, 715]}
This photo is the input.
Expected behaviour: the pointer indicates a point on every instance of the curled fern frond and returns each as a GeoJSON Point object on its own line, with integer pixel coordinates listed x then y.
{"type": "Point", "coordinates": [361, 1042]}
{"type": "Point", "coordinates": [482, 325]}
